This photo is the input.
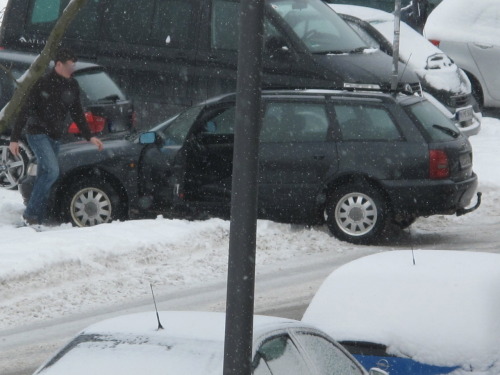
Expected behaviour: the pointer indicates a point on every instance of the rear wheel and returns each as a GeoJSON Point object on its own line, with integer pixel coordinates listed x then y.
{"type": "Point", "coordinates": [356, 213]}
{"type": "Point", "coordinates": [12, 168]}
{"type": "Point", "coordinates": [92, 202]}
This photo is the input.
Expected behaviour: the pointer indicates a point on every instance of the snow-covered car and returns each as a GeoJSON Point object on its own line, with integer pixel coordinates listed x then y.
{"type": "Point", "coordinates": [193, 343]}
{"type": "Point", "coordinates": [468, 32]}
{"type": "Point", "coordinates": [438, 74]}
{"type": "Point", "coordinates": [412, 12]}
{"type": "Point", "coordinates": [423, 312]}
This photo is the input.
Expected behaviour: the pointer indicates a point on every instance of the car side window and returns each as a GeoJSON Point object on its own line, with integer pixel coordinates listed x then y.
{"type": "Point", "coordinates": [294, 122]}
{"type": "Point", "coordinates": [365, 123]}
{"type": "Point", "coordinates": [326, 356]}
{"type": "Point", "coordinates": [281, 357]}
{"type": "Point", "coordinates": [221, 123]}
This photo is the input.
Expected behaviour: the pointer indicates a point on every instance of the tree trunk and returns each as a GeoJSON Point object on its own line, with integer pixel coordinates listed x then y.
{"type": "Point", "coordinates": [9, 113]}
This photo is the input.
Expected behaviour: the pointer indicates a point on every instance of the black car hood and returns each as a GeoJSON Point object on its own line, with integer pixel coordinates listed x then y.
{"type": "Point", "coordinates": [368, 67]}
{"type": "Point", "coordinates": [79, 154]}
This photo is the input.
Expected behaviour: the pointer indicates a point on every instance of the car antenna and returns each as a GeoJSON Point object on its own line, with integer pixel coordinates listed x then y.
{"type": "Point", "coordinates": [411, 243]}
{"type": "Point", "coordinates": [404, 70]}
{"type": "Point", "coordinates": [156, 308]}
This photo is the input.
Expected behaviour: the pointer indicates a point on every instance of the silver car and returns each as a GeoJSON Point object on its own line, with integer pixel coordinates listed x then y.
{"type": "Point", "coordinates": [193, 343]}
{"type": "Point", "coordinates": [469, 34]}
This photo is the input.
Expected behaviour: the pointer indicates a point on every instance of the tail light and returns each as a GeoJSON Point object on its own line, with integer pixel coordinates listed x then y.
{"type": "Point", "coordinates": [435, 42]}
{"type": "Point", "coordinates": [133, 119]}
{"type": "Point", "coordinates": [96, 124]}
{"type": "Point", "coordinates": [439, 167]}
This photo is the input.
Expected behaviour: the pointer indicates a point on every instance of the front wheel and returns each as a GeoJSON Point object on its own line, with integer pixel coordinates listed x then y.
{"type": "Point", "coordinates": [356, 213]}
{"type": "Point", "coordinates": [91, 203]}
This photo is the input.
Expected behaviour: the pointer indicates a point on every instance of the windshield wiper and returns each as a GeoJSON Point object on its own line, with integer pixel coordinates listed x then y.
{"type": "Point", "coordinates": [111, 98]}
{"type": "Point", "coordinates": [334, 52]}
{"type": "Point", "coordinates": [358, 50]}
{"type": "Point", "coordinates": [446, 130]}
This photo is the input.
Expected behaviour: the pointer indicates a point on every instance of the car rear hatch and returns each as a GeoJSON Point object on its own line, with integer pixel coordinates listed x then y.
{"type": "Point", "coordinates": [106, 107]}
{"type": "Point", "coordinates": [450, 152]}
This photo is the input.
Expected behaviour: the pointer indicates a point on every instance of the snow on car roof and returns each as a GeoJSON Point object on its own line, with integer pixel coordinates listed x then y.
{"type": "Point", "coordinates": [457, 20]}
{"type": "Point", "coordinates": [444, 310]}
{"type": "Point", "coordinates": [182, 324]}
{"type": "Point", "coordinates": [190, 343]}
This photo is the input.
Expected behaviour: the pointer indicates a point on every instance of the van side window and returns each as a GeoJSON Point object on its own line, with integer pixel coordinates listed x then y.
{"type": "Point", "coordinates": [129, 21]}
{"type": "Point", "coordinates": [294, 122]}
{"type": "Point", "coordinates": [225, 16]}
{"type": "Point", "coordinates": [173, 24]}
{"type": "Point", "coordinates": [45, 13]}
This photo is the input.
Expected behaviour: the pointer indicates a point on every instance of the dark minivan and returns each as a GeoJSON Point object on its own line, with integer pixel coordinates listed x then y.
{"type": "Point", "coordinates": [170, 54]}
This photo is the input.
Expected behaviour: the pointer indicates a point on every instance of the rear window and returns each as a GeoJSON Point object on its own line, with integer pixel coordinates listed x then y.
{"type": "Point", "coordinates": [435, 124]}
{"type": "Point", "coordinates": [98, 86]}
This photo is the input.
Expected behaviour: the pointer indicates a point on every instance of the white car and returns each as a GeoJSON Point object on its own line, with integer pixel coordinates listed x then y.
{"type": "Point", "coordinates": [439, 315]}
{"type": "Point", "coordinates": [192, 343]}
{"type": "Point", "coordinates": [469, 32]}
{"type": "Point", "coordinates": [438, 74]}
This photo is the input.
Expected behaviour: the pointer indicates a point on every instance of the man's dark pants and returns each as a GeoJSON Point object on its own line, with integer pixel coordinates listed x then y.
{"type": "Point", "coordinates": [45, 150]}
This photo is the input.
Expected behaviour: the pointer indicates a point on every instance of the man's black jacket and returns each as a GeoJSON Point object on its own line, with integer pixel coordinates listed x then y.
{"type": "Point", "coordinates": [48, 104]}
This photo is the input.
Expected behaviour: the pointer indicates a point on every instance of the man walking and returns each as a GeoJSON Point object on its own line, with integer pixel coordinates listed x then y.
{"type": "Point", "coordinates": [51, 99]}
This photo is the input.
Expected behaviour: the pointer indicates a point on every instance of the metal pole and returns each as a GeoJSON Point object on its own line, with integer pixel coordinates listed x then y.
{"type": "Point", "coordinates": [243, 228]}
{"type": "Point", "coordinates": [395, 46]}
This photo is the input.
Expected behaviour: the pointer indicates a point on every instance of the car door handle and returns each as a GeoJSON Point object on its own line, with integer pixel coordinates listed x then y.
{"type": "Point", "coordinates": [318, 157]}
{"type": "Point", "coordinates": [483, 45]}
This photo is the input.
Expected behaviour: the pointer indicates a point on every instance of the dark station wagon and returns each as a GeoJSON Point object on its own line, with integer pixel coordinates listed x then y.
{"type": "Point", "coordinates": [356, 160]}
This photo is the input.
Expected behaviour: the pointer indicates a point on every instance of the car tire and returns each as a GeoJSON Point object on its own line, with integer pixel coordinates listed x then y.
{"type": "Point", "coordinates": [356, 213]}
{"type": "Point", "coordinates": [12, 168]}
{"type": "Point", "coordinates": [91, 202]}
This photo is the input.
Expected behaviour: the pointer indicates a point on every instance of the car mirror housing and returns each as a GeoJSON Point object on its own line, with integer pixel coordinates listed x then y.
{"type": "Point", "coordinates": [377, 371]}
{"type": "Point", "coordinates": [148, 138]}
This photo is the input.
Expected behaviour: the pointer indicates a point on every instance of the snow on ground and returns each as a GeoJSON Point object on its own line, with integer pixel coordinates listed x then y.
{"type": "Point", "coordinates": [66, 270]}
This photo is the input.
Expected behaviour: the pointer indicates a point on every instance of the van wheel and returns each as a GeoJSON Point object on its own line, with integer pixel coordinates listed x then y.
{"type": "Point", "coordinates": [92, 202]}
{"type": "Point", "coordinates": [12, 168]}
{"type": "Point", "coordinates": [356, 213]}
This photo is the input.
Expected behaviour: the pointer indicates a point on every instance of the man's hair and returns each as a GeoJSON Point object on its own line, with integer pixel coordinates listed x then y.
{"type": "Point", "coordinates": [65, 54]}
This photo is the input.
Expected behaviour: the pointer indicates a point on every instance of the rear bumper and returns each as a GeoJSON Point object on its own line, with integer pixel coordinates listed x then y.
{"type": "Point", "coordinates": [431, 197]}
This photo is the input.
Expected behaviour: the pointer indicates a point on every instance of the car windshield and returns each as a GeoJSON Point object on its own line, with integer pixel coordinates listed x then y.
{"type": "Point", "coordinates": [97, 86]}
{"type": "Point", "coordinates": [318, 26]}
{"type": "Point", "coordinates": [437, 126]}
{"type": "Point", "coordinates": [130, 354]}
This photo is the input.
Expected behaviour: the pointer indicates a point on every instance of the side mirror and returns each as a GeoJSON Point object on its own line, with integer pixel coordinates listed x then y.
{"type": "Point", "coordinates": [377, 371]}
{"type": "Point", "coordinates": [148, 138]}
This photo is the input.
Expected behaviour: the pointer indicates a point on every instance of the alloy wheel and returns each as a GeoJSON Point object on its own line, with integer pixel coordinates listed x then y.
{"type": "Point", "coordinates": [356, 214]}
{"type": "Point", "coordinates": [91, 206]}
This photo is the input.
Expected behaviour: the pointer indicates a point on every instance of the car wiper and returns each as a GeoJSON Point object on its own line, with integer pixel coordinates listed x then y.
{"type": "Point", "coordinates": [446, 130]}
{"type": "Point", "coordinates": [333, 52]}
{"type": "Point", "coordinates": [358, 50]}
{"type": "Point", "coordinates": [112, 98]}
